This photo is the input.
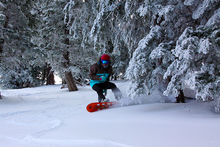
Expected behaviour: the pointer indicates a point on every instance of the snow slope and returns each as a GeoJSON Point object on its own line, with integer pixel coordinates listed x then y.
{"type": "Point", "coordinates": [48, 116]}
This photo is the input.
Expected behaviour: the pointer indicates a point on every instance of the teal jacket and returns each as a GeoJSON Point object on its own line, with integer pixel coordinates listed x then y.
{"type": "Point", "coordinates": [96, 71]}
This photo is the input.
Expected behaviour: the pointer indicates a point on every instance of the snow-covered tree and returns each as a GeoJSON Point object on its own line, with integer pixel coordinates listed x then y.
{"type": "Point", "coordinates": [173, 17]}
{"type": "Point", "coordinates": [197, 54]}
{"type": "Point", "coordinates": [16, 72]}
{"type": "Point", "coordinates": [51, 38]}
{"type": "Point", "coordinates": [184, 65]}
{"type": "Point", "coordinates": [140, 67]}
{"type": "Point", "coordinates": [163, 57]}
{"type": "Point", "coordinates": [152, 49]}
{"type": "Point", "coordinates": [197, 63]}
{"type": "Point", "coordinates": [78, 20]}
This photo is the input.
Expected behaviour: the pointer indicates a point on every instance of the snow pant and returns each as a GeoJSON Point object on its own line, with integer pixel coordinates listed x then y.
{"type": "Point", "coordinates": [107, 85]}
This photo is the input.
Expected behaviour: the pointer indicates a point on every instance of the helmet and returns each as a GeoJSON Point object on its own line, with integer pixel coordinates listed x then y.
{"type": "Point", "coordinates": [105, 57]}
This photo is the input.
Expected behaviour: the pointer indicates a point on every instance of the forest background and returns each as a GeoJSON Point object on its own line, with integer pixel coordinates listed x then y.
{"type": "Point", "coordinates": [164, 45]}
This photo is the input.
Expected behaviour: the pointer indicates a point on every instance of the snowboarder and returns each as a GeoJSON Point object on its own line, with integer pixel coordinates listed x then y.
{"type": "Point", "coordinates": [99, 78]}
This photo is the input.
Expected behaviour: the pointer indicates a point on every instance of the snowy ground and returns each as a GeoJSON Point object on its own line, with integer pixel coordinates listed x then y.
{"type": "Point", "coordinates": [48, 116]}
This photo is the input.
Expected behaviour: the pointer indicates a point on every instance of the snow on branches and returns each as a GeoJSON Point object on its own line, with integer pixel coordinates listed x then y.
{"type": "Point", "coordinates": [196, 63]}
{"type": "Point", "coordinates": [140, 66]}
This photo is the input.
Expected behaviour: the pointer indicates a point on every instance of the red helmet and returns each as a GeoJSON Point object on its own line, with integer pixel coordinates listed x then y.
{"type": "Point", "coordinates": [105, 57]}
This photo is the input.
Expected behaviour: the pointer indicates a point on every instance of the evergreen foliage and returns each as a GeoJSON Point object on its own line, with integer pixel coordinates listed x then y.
{"type": "Point", "coordinates": [16, 70]}
{"type": "Point", "coordinates": [156, 44]}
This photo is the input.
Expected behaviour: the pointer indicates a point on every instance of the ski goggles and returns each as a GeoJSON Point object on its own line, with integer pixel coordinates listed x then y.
{"type": "Point", "coordinates": [104, 61]}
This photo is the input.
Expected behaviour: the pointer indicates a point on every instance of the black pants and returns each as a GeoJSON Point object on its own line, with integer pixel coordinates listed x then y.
{"type": "Point", "coordinates": [107, 85]}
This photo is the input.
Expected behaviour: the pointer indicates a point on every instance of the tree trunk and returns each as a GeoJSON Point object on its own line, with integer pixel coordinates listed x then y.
{"type": "Point", "coordinates": [66, 64]}
{"type": "Point", "coordinates": [44, 75]}
{"type": "Point", "coordinates": [50, 77]}
{"type": "Point", "coordinates": [180, 98]}
{"type": "Point", "coordinates": [1, 50]}
{"type": "Point", "coordinates": [70, 82]}
{"type": "Point", "coordinates": [1, 44]}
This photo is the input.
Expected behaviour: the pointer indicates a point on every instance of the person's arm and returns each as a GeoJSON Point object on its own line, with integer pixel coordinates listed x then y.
{"type": "Point", "coordinates": [92, 73]}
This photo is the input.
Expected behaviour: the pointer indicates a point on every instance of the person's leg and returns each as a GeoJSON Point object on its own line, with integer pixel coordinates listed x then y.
{"type": "Point", "coordinates": [117, 93]}
{"type": "Point", "coordinates": [98, 88]}
{"type": "Point", "coordinates": [115, 90]}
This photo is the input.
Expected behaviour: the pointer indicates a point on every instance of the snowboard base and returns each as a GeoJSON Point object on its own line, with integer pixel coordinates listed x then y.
{"type": "Point", "coordinates": [92, 107]}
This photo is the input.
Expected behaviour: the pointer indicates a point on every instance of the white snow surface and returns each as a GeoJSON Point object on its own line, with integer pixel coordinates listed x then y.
{"type": "Point", "coordinates": [48, 116]}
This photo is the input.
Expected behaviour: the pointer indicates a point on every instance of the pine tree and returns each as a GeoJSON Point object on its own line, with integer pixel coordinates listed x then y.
{"type": "Point", "coordinates": [173, 17]}
{"type": "Point", "coordinates": [148, 60]}
{"type": "Point", "coordinates": [197, 55]}
{"type": "Point", "coordinates": [141, 67]}
{"type": "Point", "coordinates": [52, 40]}
{"type": "Point", "coordinates": [78, 18]}
{"type": "Point", "coordinates": [16, 34]}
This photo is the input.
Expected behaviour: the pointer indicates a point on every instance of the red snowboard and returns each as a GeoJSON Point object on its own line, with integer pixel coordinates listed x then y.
{"type": "Point", "coordinates": [92, 107]}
